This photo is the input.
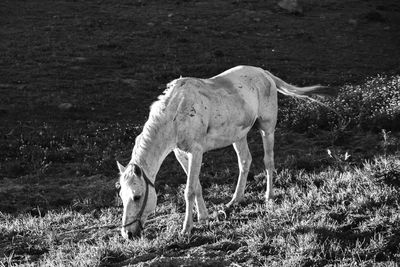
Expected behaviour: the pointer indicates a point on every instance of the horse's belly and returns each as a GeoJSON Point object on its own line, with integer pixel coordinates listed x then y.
{"type": "Point", "coordinates": [227, 124]}
{"type": "Point", "coordinates": [224, 137]}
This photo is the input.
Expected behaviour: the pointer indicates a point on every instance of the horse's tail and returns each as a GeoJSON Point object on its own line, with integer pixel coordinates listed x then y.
{"type": "Point", "coordinates": [301, 92]}
{"type": "Point", "coordinates": [304, 92]}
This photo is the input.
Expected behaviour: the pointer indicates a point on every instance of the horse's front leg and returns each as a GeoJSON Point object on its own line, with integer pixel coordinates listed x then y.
{"type": "Point", "coordinates": [192, 187]}
{"type": "Point", "coordinates": [202, 212]}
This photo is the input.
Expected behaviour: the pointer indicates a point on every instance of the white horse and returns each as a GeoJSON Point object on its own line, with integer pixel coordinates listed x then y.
{"type": "Point", "coordinates": [197, 115]}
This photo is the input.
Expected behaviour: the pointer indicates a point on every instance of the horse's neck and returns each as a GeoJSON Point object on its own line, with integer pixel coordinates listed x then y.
{"type": "Point", "coordinates": [151, 157]}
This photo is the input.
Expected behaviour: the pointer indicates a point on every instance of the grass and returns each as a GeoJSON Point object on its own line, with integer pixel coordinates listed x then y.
{"type": "Point", "coordinates": [372, 105]}
{"type": "Point", "coordinates": [336, 200]}
{"type": "Point", "coordinates": [331, 217]}
{"type": "Point", "coordinates": [109, 59]}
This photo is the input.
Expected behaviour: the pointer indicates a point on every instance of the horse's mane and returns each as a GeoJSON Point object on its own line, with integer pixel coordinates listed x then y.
{"type": "Point", "coordinates": [158, 117]}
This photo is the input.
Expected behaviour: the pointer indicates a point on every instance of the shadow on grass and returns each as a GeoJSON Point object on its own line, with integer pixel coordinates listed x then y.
{"type": "Point", "coordinates": [19, 246]}
{"type": "Point", "coordinates": [350, 238]}
{"type": "Point", "coordinates": [203, 250]}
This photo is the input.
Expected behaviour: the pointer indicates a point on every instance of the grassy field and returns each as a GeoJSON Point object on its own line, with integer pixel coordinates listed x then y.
{"type": "Point", "coordinates": [76, 81]}
{"type": "Point", "coordinates": [339, 215]}
{"type": "Point", "coordinates": [336, 203]}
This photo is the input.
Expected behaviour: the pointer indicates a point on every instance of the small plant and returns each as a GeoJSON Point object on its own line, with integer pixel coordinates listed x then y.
{"type": "Point", "coordinates": [341, 161]}
{"type": "Point", "coordinates": [389, 143]}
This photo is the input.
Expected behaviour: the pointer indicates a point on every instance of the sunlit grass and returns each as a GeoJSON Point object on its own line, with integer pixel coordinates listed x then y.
{"type": "Point", "coordinates": [327, 217]}
{"type": "Point", "coordinates": [336, 205]}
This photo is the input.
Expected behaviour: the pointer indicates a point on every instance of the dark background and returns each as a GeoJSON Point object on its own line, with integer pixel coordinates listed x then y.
{"type": "Point", "coordinates": [77, 77]}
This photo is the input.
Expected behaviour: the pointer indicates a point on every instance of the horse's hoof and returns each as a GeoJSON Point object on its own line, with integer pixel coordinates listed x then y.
{"type": "Point", "coordinates": [186, 231]}
{"type": "Point", "coordinates": [269, 197]}
{"type": "Point", "coordinates": [204, 221]}
{"type": "Point", "coordinates": [183, 233]}
{"type": "Point", "coordinates": [269, 200]}
{"type": "Point", "coordinates": [222, 216]}
{"type": "Point", "coordinates": [234, 202]}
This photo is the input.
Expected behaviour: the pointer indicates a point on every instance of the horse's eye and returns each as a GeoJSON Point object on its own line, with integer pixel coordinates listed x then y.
{"type": "Point", "coordinates": [136, 198]}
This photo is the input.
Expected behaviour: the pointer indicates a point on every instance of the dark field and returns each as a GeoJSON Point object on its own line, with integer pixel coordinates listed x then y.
{"type": "Point", "coordinates": [76, 82]}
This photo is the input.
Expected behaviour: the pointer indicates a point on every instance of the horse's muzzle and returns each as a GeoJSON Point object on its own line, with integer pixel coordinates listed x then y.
{"type": "Point", "coordinates": [129, 234]}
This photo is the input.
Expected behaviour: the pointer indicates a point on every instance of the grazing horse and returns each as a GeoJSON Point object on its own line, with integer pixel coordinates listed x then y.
{"type": "Point", "coordinates": [194, 116]}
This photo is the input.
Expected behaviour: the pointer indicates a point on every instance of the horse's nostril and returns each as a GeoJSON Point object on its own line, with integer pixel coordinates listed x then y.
{"type": "Point", "coordinates": [130, 235]}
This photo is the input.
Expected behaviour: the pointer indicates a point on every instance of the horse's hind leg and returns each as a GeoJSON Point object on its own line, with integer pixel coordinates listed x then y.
{"type": "Point", "coordinates": [267, 134]}
{"type": "Point", "coordinates": [244, 160]}
{"type": "Point", "coordinates": [202, 213]}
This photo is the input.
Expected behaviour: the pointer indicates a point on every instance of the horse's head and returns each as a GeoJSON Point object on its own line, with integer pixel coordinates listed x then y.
{"type": "Point", "coordinates": [138, 197]}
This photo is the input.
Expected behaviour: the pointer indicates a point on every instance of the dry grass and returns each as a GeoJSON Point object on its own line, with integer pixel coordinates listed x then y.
{"type": "Point", "coordinates": [336, 203]}
{"type": "Point", "coordinates": [326, 217]}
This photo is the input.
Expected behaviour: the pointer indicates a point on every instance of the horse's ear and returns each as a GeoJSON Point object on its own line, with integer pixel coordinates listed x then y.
{"type": "Point", "coordinates": [117, 185]}
{"type": "Point", "coordinates": [137, 170]}
{"type": "Point", "coordinates": [121, 168]}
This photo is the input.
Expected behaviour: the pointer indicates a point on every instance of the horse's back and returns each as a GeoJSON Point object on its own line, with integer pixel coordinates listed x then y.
{"type": "Point", "coordinates": [217, 112]}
